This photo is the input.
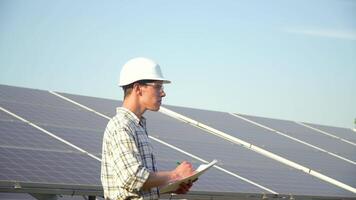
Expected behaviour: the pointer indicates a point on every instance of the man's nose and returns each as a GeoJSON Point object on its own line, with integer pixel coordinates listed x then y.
{"type": "Point", "coordinates": [163, 93]}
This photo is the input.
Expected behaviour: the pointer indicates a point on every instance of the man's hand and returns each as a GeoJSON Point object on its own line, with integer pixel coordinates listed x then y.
{"type": "Point", "coordinates": [184, 188]}
{"type": "Point", "coordinates": [183, 170]}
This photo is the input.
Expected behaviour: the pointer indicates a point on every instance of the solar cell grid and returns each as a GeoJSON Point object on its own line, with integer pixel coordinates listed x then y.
{"type": "Point", "coordinates": [246, 186]}
{"type": "Point", "coordinates": [27, 165]}
{"type": "Point", "coordinates": [310, 183]}
{"type": "Point", "coordinates": [56, 116]}
{"type": "Point", "coordinates": [345, 133]}
{"type": "Point", "coordinates": [308, 135]}
{"type": "Point", "coordinates": [86, 138]}
{"type": "Point", "coordinates": [31, 96]}
{"type": "Point", "coordinates": [230, 155]}
{"type": "Point", "coordinates": [19, 196]}
{"type": "Point", "coordinates": [167, 158]}
{"type": "Point", "coordinates": [73, 134]}
{"type": "Point", "coordinates": [213, 180]}
{"type": "Point", "coordinates": [31, 156]}
{"type": "Point", "coordinates": [89, 140]}
{"type": "Point", "coordinates": [5, 117]}
{"type": "Point", "coordinates": [105, 106]}
{"type": "Point", "coordinates": [17, 134]}
{"type": "Point", "coordinates": [82, 127]}
{"type": "Point", "coordinates": [15, 196]}
{"type": "Point", "coordinates": [275, 143]}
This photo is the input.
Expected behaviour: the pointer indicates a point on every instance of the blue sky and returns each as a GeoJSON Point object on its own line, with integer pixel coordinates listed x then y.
{"type": "Point", "coordinates": [292, 60]}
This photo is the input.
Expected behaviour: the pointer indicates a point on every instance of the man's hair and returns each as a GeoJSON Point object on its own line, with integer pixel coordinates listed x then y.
{"type": "Point", "coordinates": [128, 88]}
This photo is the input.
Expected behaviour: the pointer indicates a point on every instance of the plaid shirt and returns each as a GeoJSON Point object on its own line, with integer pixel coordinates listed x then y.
{"type": "Point", "coordinates": [127, 158]}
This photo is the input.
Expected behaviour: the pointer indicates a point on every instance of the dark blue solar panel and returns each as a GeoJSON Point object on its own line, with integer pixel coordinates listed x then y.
{"type": "Point", "coordinates": [80, 127]}
{"type": "Point", "coordinates": [310, 136]}
{"type": "Point", "coordinates": [6, 117]}
{"type": "Point", "coordinates": [212, 180]}
{"type": "Point", "coordinates": [167, 130]}
{"type": "Point", "coordinates": [32, 96]}
{"type": "Point", "coordinates": [167, 157]}
{"type": "Point", "coordinates": [105, 106]}
{"type": "Point", "coordinates": [39, 166]}
{"type": "Point", "coordinates": [267, 140]}
{"type": "Point", "coordinates": [89, 140]}
{"type": "Point", "coordinates": [56, 116]}
{"type": "Point", "coordinates": [24, 196]}
{"type": "Point", "coordinates": [344, 133]}
{"type": "Point", "coordinates": [29, 155]}
{"type": "Point", "coordinates": [15, 196]}
{"type": "Point", "coordinates": [20, 135]}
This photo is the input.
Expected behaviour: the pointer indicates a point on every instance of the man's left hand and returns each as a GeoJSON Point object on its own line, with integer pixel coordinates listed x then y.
{"type": "Point", "coordinates": [184, 188]}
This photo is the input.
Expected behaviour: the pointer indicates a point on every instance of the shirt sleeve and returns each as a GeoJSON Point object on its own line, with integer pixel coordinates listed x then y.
{"type": "Point", "coordinates": [127, 163]}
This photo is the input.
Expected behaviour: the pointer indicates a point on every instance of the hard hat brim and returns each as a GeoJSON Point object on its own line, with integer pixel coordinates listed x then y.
{"type": "Point", "coordinates": [165, 81]}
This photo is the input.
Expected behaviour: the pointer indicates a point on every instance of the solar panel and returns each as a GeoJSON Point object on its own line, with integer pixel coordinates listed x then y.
{"type": "Point", "coordinates": [309, 135]}
{"type": "Point", "coordinates": [87, 139]}
{"type": "Point", "coordinates": [246, 163]}
{"type": "Point", "coordinates": [250, 164]}
{"type": "Point", "coordinates": [29, 158]}
{"type": "Point", "coordinates": [24, 196]}
{"type": "Point", "coordinates": [40, 166]}
{"type": "Point", "coordinates": [6, 117]}
{"type": "Point", "coordinates": [345, 133]}
{"type": "Point", "coordinates": [65, 168]}
{"type": "Point", "coordinates": [32, 97]}
{"type": "Point", "coordinates": [105, 106]}
{"type": "Point", "coordinates": [168, 159]}
{"type": "Point", "coordinates": [27, 155]}
{"type": "Point", "coordinates": [16, 134]}
{"type": "Point", "coordinates": [273, 142]}
{"type": "Point", "coordinates": [56, 115]}
{"type": "Point", "coordinates": [213, 180]}
{"type": "Point", "coordinates": [78, 126]}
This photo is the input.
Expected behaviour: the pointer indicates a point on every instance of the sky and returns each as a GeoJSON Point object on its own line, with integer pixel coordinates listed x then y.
{"type": "Point", "coordinates": [292, 60]}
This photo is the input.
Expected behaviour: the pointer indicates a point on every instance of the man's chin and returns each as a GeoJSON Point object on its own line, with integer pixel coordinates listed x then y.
{"type": "Point", "coordinates": [155, 108]}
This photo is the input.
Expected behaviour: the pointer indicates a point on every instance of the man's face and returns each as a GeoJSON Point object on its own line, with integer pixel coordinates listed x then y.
{"type": "Point", "coordinates": [152, 94]}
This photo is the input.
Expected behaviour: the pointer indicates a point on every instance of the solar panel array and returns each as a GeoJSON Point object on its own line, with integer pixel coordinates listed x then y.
{"type": "Point", "coordinates": [51, 143]}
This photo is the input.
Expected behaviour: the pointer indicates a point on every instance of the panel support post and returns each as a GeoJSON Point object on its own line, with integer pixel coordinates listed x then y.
{"type": "Point", "coordinates": [91, 197]}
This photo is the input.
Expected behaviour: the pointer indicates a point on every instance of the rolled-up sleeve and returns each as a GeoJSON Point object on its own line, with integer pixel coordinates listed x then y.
{"type": "Point", "coordinates": [127, 162]}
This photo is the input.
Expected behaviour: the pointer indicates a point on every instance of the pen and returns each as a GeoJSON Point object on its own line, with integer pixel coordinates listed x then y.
{"type": "Point", "coordinates": [178, 163]}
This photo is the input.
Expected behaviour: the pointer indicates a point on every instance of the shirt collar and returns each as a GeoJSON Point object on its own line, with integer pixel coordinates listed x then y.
{"type": "Point", "coordinates": [132, 115]}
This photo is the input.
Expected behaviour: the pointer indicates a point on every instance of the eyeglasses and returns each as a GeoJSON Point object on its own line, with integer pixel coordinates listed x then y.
{"type": "Point", "coordinates": [158, 86]}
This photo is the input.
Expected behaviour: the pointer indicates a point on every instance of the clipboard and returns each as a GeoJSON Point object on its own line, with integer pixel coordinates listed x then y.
{"type": "Point", "coordinates": [171, 187]}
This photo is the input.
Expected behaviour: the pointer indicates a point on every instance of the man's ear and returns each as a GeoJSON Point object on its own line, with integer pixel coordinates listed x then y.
{"type": "Point", "coordinates": [137, 89]}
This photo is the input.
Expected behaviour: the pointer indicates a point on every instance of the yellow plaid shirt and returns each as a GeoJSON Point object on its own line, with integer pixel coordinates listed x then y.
{"type": "Point", "coordinates": [127, 158]}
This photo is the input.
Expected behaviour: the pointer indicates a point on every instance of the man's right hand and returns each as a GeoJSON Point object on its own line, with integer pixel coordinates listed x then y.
{"type": "Point", "coordinates": [183, 170]}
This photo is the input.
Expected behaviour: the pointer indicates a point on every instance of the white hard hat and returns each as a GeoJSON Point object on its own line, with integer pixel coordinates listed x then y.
{"type": "Point", "coordinates": [138, 69]}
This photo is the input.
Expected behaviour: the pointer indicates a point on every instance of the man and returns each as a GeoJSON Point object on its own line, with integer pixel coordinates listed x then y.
{"type": "Point", "coordinates": [128, 168]}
